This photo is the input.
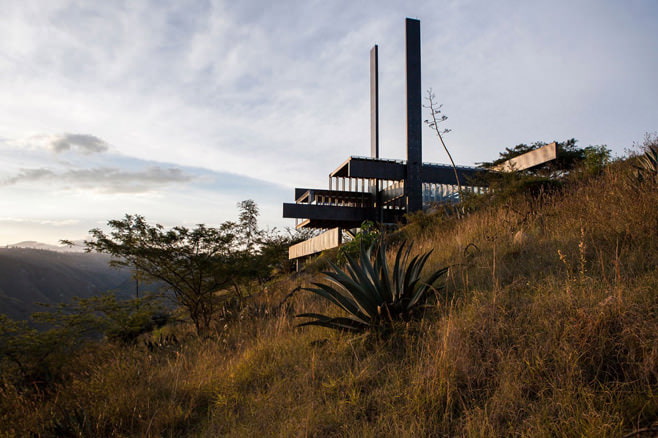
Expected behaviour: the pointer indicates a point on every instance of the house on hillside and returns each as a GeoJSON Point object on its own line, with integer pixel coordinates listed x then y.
{"type": "Point", "coordinates": [384, 190]}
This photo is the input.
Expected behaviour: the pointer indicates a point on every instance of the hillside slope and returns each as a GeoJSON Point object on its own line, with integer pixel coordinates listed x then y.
{"type": "Point", "coordinates": [29, 276]}
{"type": "Point", "coordinates": [547, 326]}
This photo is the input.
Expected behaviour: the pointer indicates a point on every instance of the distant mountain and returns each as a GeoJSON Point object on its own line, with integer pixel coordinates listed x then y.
{"type": "Point", "coordinates": [77, 247]}
{"type": "Point", "coordinates": [29, 276]}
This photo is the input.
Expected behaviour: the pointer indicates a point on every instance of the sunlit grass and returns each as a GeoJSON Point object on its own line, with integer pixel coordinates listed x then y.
{"type": "Point", "coordinates": [551, 332]}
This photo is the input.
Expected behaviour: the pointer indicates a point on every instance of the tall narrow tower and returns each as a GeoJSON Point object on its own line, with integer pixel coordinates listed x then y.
{"type": "Point", "coordinates": [374, 102]}
{"type": "Point", "coordinates": [413, 184]}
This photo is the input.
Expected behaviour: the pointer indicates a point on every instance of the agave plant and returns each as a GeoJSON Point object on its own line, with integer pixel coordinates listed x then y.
{"type": "Point", "coordinates": [647, 167]}
{"type": "Point", "coordinates": [373, 295]}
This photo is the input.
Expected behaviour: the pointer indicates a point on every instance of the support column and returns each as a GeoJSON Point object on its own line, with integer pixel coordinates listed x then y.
{"type": "Point", "coordinates": [374, 102]}
{"type": "Point", "coordinates": [374, 123]}
{"type": "Point", "coordinates": [413, 183]}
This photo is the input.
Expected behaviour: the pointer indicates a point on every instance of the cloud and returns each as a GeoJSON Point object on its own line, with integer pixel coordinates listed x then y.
{"type": "Point", "coordinates": [104, 179]}
{"type": "Point", "coordinates": [29, 175]}
{"type": "Point", "coordinates": [111, 180]}
{"type": "Point", "coordinates": [84, 143]}
{"type": "Point", "coordinates": [54, 223]}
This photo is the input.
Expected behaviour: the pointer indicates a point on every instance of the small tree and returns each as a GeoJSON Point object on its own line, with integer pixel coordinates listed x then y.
{"type": "Point", "coordinates": [438, 117]}
{"type": "Point", "coordinates": [248, 225]}
{"type": "Point", "coordinates": [272, 258]}
{"type": "Point", "coordinates": [192, 263]}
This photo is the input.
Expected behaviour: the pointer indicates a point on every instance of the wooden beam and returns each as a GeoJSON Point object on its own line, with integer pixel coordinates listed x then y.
{"type": "Point", "coordinates": [327, 240]}
{"type": "Point", "coordinates": [529, 159]}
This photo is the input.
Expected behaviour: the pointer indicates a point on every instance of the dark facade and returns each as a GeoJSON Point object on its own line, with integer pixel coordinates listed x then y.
{"type": "Point", "coordinates": [382, 190]}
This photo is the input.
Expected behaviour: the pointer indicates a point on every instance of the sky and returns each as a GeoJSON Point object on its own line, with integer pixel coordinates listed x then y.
{"type": "Point", "coordinates": [178, 110]}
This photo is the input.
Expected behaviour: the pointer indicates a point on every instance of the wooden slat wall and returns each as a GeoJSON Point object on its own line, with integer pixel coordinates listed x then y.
{"type": "Point", "coordinates": [328, 239]}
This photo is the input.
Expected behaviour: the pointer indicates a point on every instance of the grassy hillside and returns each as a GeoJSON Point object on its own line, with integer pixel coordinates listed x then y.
{"type": "Point", "coordinates": [548, 326]}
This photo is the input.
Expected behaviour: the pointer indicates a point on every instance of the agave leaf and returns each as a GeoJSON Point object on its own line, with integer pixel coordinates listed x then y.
{"type": "Point", "coordinates": [352, 266]}
{"type": "Point", "coordinates": [360, 273]}
{"type": "Point", "coordinates": [332, 325]}
{"type": "Point", "coordinates": [424, 286]}
{"type": "Point", "coordinates": [370, 275]}
{"type": "Point", "coordinates": [417, 295]}
{"type": "Point", "coordinates": [333, 296]}
{"type": "Point", "coordinates": [410, 279]}
{"type": "Point", "coordinates": [359, 295]}
{"type": "Point", "coordinates": [337, 323]}
{"type": "Point", "coordinates": [414, 291]}
{"type": "Point", "coordinates": [420, 265]}
{"type": "Point", "coordinates": [436, 275]}
{"type": "Point", "coordinates": [360, 277]}
{"type": "Point", "coordinates": [398, 271]}
{"type": "Point", "coordinates": [338, 299]}
{"type": "Point", "coordinates": [382, 273]}
{"type": "Point", "coordinates": [358, 300]}
{"type": "Point", "coordinates": [354, 270]}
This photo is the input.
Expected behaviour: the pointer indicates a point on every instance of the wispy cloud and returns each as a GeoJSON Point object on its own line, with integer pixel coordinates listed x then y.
{"type": "Point", "coordinates": [104, 179]}
{"type": "Point", "coordinates": [50, 222]}
{"type": "Point", "coordinates": [29, 175]}
{"type": "Point", "coordinates": [83, 143]}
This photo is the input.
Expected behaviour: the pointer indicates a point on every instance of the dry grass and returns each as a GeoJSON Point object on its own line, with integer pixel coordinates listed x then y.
{"type": "Point", "coordinates": [548, 327]}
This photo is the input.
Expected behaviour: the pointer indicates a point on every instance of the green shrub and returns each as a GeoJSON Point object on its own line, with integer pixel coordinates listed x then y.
{"type": "Point", "coordinates": [368, 234]}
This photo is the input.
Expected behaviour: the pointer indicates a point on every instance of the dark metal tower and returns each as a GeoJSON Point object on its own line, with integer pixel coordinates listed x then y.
{"type": "Point", "coordinates": [374, 102]}
{"type": "Point", "coordinates": [413, 184]}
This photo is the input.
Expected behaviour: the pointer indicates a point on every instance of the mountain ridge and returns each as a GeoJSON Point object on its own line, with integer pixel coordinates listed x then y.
{"type": "Point", "coordinates": [29, 276]}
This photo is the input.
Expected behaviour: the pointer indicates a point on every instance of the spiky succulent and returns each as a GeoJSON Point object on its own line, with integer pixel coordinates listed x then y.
{"type": "Point", "coordinates": [373, 295]}
{"type": "Point", "coordinates": [647, 167]}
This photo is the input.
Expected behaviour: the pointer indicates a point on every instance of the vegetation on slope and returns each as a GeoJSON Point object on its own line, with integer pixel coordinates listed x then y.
{"type": "Point", "coordinates": [29, 276]}
{"type": "Point", "coordinates": [548, 326]}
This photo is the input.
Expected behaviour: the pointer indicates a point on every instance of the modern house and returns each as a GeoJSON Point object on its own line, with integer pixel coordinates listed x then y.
{"type": "Point", "coordinates": [378, 189]}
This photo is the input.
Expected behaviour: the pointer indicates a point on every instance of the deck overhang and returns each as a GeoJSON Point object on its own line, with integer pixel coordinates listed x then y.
{"type": "Point", "coordinates": [370, 168]}
{"type": "Point", "coordinates": [396, 170]}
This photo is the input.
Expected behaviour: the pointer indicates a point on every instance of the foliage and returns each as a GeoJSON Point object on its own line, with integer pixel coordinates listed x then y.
{"type": "Point", "coordinates": [205, 268]}
{"type": "Point", "coordinates": [573, 163]}
{"type": "Point", "coordinates": [504, 186]}
{"type": "Point", "coordinates": [260, 254]}
{"type": "Point", "coordinates": [248, 225]}
{"type": "Point", "coordinates": [40, 350]}
{"type": "Point", "coordinates": [272, 257]}
{"type": "Point", "coordinates": [569, 157]}
{"type": "Point", "coordinates": [24, 350]}
{"type": "Point", "coordinates": [420, 222]}
{"type": "Point", "coordinates": [595, 159]}
{"type": "Point", "coordinates": [368, 234]}
{"type": "Point", "coordinates": [116, 319]}
{"type": "Point", "coordinates": [374, 295]}
{"type": "Point", "coordinates": [192, 263]}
